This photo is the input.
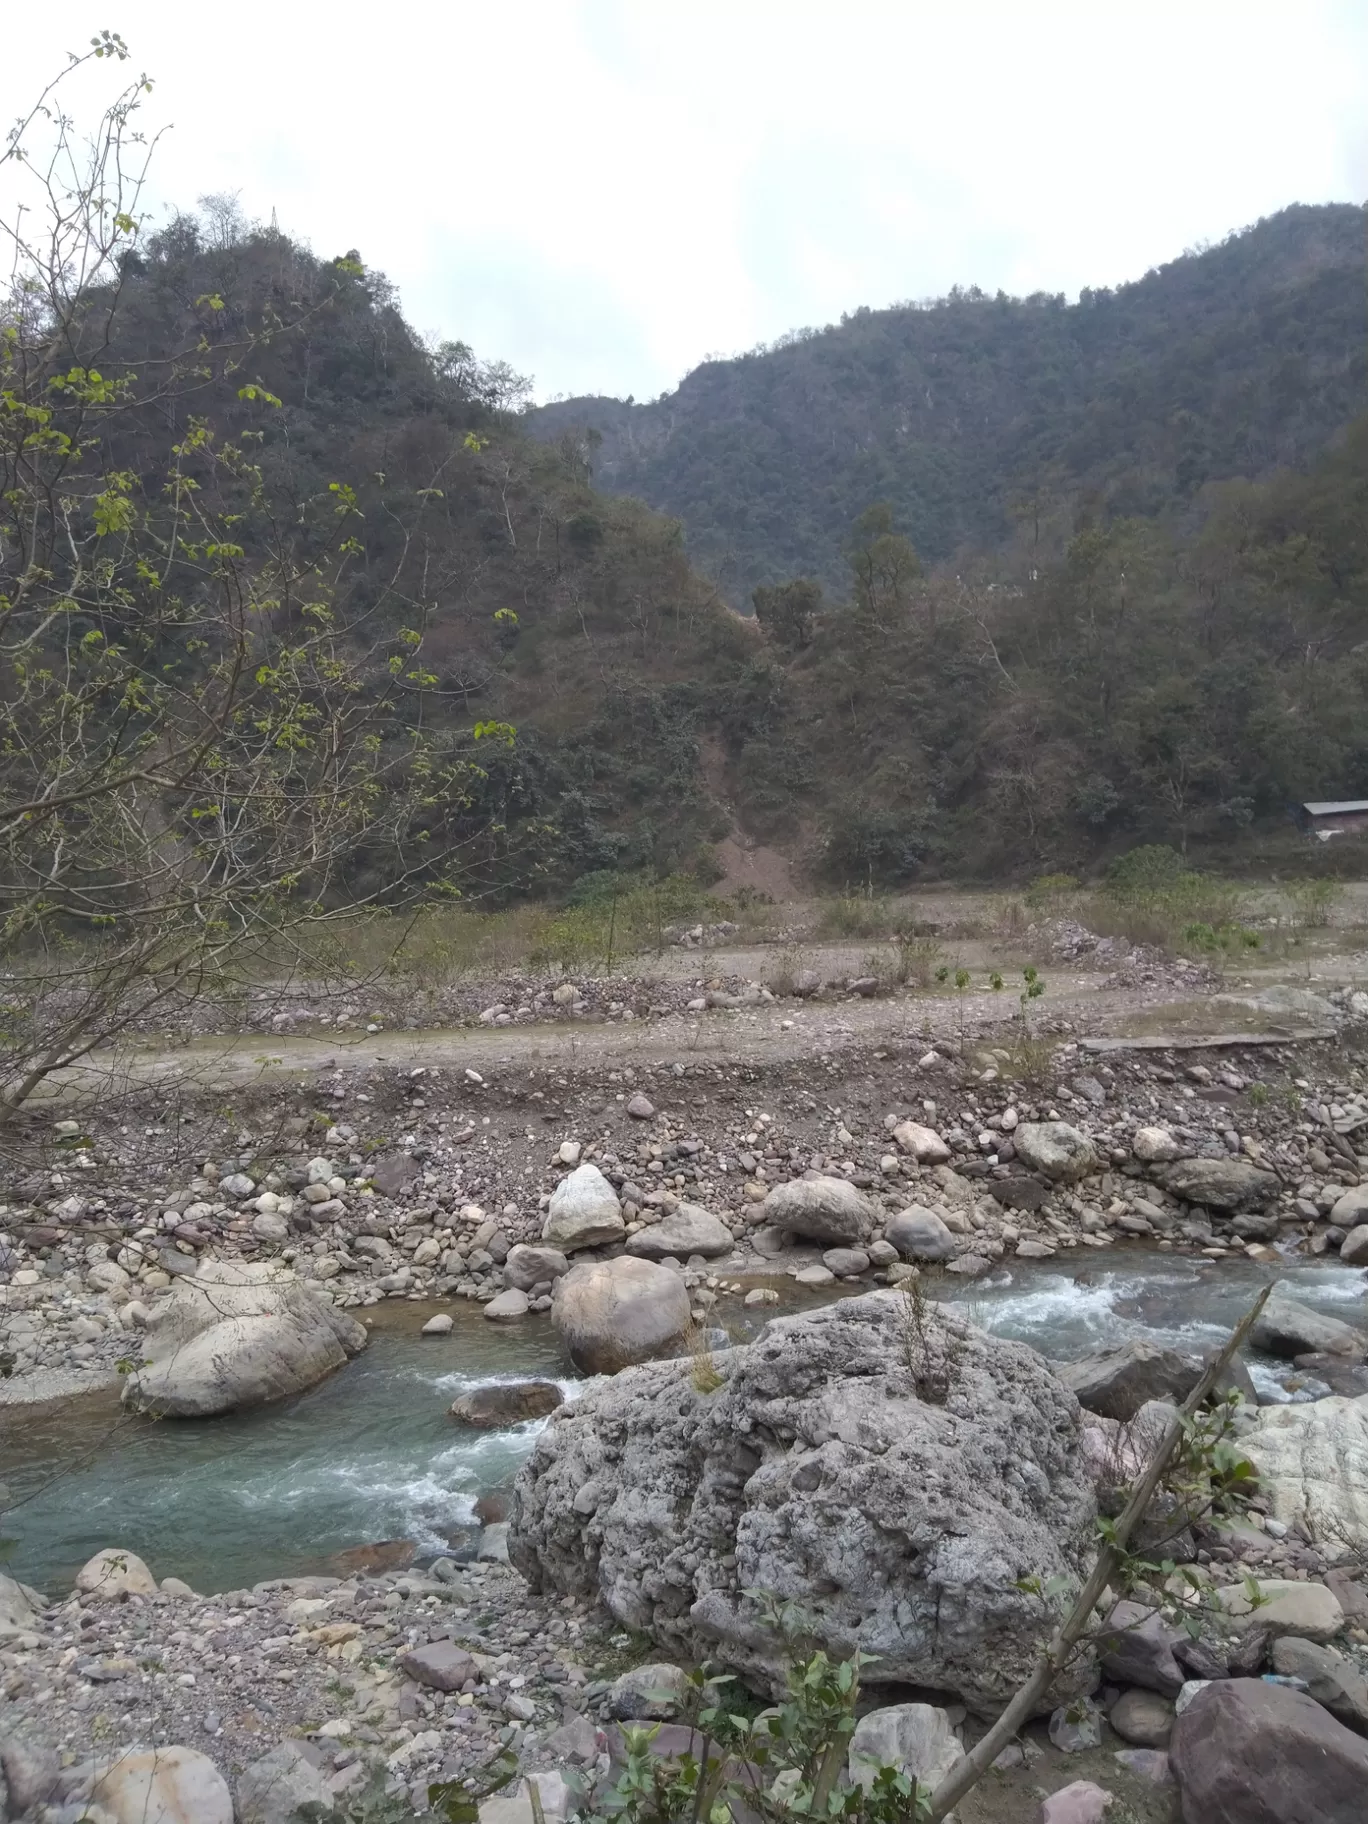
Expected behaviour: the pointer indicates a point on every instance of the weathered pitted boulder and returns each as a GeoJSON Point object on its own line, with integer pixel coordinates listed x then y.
{"type": "Point", "coordinates": [1244, 1752]}
{"type": "Point", "coordinates": [1221, 1184]}
{"type": "Point", "coordinates": [584, 1213]}
{"type": "Point", "coordinates": [897, 1487]}
{"type": "Point", "coordinates": [829, 1210]}
{"type": "Point", "coordinates": [611, 1313]}
{"type": "Point", "coordinates": [1059, 1151]}
{"type": "Point", "coordinates": [1285, 1327]}
{"type": "Point", "coordinates": [507, 1403]}
{"type": "Point", "coordinates": [688, 1229]}
{"type": "Point", "coordinates": [235, 1336]}
{"type": "Point", "coordinates": [1313, 1463]}
{"type": "Point", "coordinates": [920, 1234]}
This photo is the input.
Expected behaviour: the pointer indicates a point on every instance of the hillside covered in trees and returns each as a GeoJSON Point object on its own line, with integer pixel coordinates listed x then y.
{"type": "Point", "coordinates": [975, 417]}
{"type": "Point", "coordinates": [1172, 654]}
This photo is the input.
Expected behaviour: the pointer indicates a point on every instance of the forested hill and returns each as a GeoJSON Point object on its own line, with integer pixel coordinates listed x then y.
{"type": "Point", "coordinates": [975, 413]}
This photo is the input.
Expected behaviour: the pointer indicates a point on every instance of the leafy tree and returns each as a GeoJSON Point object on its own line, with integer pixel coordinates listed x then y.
{"type": "Point", "coordinates": [789, 612]}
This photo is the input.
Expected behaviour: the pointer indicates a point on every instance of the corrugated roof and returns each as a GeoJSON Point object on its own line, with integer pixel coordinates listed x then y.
{"type": "Point", "coordinates": [1336, 810]}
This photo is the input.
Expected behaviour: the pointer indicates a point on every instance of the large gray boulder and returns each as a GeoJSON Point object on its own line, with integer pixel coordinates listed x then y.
{"type": "Point", "coordinates": [1221, 1184]}
{"type": "Point", "coordinates": [1246, 1752]}
{"type": "Point", "coordinates": [1288, 1328]}
{"type": "Point", "coordinates": [896, 1484]}
{"type": "Point", "coordinates": [1313, 1465]}
{"type": "Point", "coordinates": [611, 1313]}
{"type": "Point", "coordinates": [585, 1212]}
{"type": "Point", "coordinates": [829, 1210]}
{"type": "Point", "coordinates": [688, 1229]}
{"type": "Point", "coordinates": [236, 1336]}
{"type": "Point", "coordinates": [1055, 1148]}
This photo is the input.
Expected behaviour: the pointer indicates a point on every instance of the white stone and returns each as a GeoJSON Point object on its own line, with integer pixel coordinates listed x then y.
{"type": "Point", "coordinates": [923, 1143]}
{"type": "Point", "coordinates": [115, 1572]}
{"type": "Point", "coordinates": [439, 1325]}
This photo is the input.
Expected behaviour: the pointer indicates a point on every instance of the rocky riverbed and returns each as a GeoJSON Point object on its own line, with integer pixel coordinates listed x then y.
{"type": "Point", "coordinates": [859, 1169]}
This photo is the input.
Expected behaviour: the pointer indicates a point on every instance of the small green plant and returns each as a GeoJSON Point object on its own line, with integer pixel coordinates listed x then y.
{"type": "Point", "coordinates": [1258, 1095]}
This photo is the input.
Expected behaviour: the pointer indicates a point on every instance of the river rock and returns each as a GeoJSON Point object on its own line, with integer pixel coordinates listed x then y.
{"type": "Point", "coordinates": [584, 1213]}
{"type": "Point", "coordinates": [1288, 1607]}
{"type": "Point", "coordinates": [1354, 1248]}
{"type": "Point", "coordinates": [1334, 1681]}
{"type": "Point", "coordinates": [441, 1325]}
{"type": "Point", "coordinates": [688, 1229]}
{"type": "Point", "coordinates": [514, 1806]}
{"type": "Point", "coordinates": [273, 1789]}
{"type": "Point", "coordinates": [1055, 1148]}
{"type": "Point", "coordinates": [1285, 1327]}
{"type": "Point", "coordinates": [1221, 1184]}
{"type": "Point", "coordinates": [1155, 1146]}
{"type": "Point", "coordinates": [829, 1210]}
{"type": "Point", "coordinates": [236, 1336]}
{"type": "Point", "coordinates": [1313, 1460]}
{"type": "Point", "coordinates": [1076, 1726]}
{"type": "Point", "coordinates": [18, 1604]}
{"type": "Point", "coordinates": [611, 1313]}
{"type": "Point", "coordinates": [846, 1263]}
{"type": "Point", "coordinates": [920, 1234]}
{"type": "Point", "coordinates": [31, 1771]}
{"type": "Point", "coordinates": [915, 1738]}
{"type": "Point", "coordinates": [656, 1693]}
{"type": "Point", "coordinates": [507, 1307]}
{"type": "Point", "coordinates": [1138, 1649]}
{"type": "Point", "coordinates": [528, 1266]}
{"type": "Point", "coordinates": [440, 1665]}
{"type": "Point", "coordinates": [817, 1473]}
{"type": "Point", "coordinates": [1351, 1207]}
{"type": "Point", "coordinates": [923, 1143]}
{"type": "Point", "coordinates": [1142, 1718]}
{"type": "Point", "coordinates": [1081, 1802]}
{"type": "Point", "coordinates": [1117, 1382]}
{"type": "Point", "coordinates": [508, 1403]}
{"type": "Point", "coordinates": [115, 1572]}
{"type": "Point", "coordinates": [163, 1786]}
{"type": "Point", "coordinates": [1246, 1752]}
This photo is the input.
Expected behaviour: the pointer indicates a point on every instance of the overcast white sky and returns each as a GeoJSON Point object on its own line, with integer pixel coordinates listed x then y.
{"type": "Point", "coordinates": [604, 191]}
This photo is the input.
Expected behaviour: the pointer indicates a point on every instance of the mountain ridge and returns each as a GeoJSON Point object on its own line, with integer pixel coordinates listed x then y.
{"type": "Point", "coordinates": [1238, 359]}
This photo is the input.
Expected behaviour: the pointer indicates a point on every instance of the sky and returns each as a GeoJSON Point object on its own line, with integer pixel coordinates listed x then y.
{"type": "Point", "coordinates": [605, 192]}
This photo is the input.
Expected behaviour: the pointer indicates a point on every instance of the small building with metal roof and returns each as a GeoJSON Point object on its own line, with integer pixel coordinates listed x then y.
{"type": "Point", "coordinates": [1326, 818]}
